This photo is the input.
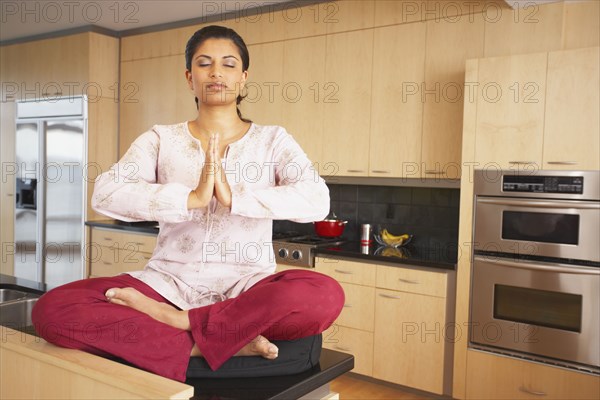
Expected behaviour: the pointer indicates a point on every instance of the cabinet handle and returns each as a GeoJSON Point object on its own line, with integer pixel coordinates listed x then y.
{"type": "Point", "coordinates": [389, 296]}
{"type": "Point", "coordinates": [433, 172]}
{"type": "Point", "coordinates": [348, 305]}
{"type": "Point", "coordinates": [563, 162]}
{"type": "Point", "coordinates": [341, 348]}
{"type": "Point", "coordinates": [521, 162]}
{"type": "Point", "coordinates": [53, 94]}
{"type": "Point", "coordinates": [9, 194]}
{"type": "Point", "coordinates": [106, 263]}
{"type": "Point", "coordinates": [408, 281]}
{"type": "Point", "coordinates": [381, 171]}
{"type": "Point", "coordinates": [355, 170]}
{"type": "Point", "coordinates": [339, 271]}
{"type": "Point", "coordinates": [108, 238]}
{"type": "Point", "coordinates": [533, 392]}
{"type": "Point", "coordinates": [139, 243]}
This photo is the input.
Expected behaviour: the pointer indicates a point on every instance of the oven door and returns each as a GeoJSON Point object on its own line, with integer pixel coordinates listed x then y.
{"type": "Point", "coordinates": [566, 229]}
{"type": "Point", "coordinates": [549, 310]}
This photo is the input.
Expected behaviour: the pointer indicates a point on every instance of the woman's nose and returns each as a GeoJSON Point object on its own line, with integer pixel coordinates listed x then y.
{"type": "Point", "coordinates": [215, 72]}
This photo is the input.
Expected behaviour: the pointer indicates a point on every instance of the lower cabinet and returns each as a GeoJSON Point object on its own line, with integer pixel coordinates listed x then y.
{"type": "Point", "coordinates": [395, 322]}
{"type": "Point", "coordinates": [493, 376]}
{"type": "Point", "coordinates": [113, 252]}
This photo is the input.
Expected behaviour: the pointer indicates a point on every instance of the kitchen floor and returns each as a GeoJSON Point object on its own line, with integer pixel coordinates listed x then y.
{"type": "Point", "coordinates": [351, 387]}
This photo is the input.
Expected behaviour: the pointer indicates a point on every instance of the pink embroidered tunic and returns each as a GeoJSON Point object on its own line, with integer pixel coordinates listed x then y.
{"type": "Point", "coordinates": [206, 255]}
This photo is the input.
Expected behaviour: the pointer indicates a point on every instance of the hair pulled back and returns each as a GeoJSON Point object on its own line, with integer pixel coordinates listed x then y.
{"type": "Point", "coordinates": [218, 32]}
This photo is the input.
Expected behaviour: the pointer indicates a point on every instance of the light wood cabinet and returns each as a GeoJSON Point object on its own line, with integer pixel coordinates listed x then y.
{"type": "Point", "coordinates": [497, 377]}
{"type": "Point", "coordinates": [510, 111]}
{"type": "Point", "coordinates": [396, 321]}
{"type": "Point", "coordinates": [7, 186]}
{"type": "Point", "coordinates": [112, 252]}
{"type": "Point", "coordinates": [396, 105]}
{"type": "Point", "coordinates": [348, 66]}
{"type": "Point", "coordinates": [572, 123]}
{"type": "Point", "coordinates": [352, 332]}
{"type": "Point", "coordinates": [412, 346]}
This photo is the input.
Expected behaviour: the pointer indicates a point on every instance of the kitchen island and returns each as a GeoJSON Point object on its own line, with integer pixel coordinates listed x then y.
{"type": "Point", "coordinates": [55, 372]}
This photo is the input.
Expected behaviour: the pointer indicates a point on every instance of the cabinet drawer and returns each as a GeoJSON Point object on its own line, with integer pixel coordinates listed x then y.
{"type": "Point", "coordinates": [133, 241]}
{"type": "Point", "coordinates": [492, 377]}
{"type": "Point", "coordinates": [412, 280]}
{"type": "Point", "coordinates": [359, 307]}
{"type": "Point", "coordinates": [347, 271]}
{"type": "Point", "coordinates": [112, 261]}
{"type": "Point", "coordinates": [352, 341]}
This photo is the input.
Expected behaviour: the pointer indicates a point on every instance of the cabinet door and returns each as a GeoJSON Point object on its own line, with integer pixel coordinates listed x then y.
{"type": "Point", "coordinates": [153, 91]}
{"type": "Point", "coordinates": [510, 111]}
{"type": "Point", "coordinates": [409, 340]}
{"type": "Point", "coordinates": [352, 341]}
{"type": "Point", "coordinates": [8, 185]}
{"type": "Point", "coordinates": [443, 93]}
{"type": "Point", "coordinates": [264, 101]}
{"type": "Point", "coordinates": [359, 307]}
{"type": "Point", "coordinates": [396, 106]}
{"type": "Point", "coordinates": [304, 90]}
{"type": "Point", "coordinates": [497, 377]}
{"type": "Point", "coordinates": [572, 134]}
{"type": "Point", "coordinates": [348, 66]}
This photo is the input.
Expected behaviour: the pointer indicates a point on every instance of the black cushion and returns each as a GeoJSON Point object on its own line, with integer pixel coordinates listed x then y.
{"type": "Point", "coordinates": [295, 356]}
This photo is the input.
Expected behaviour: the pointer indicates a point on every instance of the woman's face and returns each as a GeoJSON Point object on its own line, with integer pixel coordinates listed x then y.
{"type": "Point", "coordinates": [216, 76]}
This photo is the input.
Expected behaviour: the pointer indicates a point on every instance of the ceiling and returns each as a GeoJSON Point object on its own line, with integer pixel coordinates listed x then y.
{"type": "Point", "coordinates": [26, 19]}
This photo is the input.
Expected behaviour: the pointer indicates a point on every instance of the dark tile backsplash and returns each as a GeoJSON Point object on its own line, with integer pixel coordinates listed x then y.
{"type": "Point", "coordinates": [431, 214]}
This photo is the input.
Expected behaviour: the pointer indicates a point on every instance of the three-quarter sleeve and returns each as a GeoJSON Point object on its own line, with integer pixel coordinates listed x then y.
{"type": "Point", "coordinates": [129, 190]}
{"type": "Point", "coordinates": [299, 193]}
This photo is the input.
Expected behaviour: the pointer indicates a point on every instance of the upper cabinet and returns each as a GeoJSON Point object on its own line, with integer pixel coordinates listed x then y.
{"type": "Point", "coordinates": [347, 102]}
{"type": "Point", "coordinates": [539, 111]}
{"type": "Point", "coordinates": [510, 110]}
{"type": "Point", "coordinates": [74, 65]}
{"type": "Point", "coordinates": [572, 120]}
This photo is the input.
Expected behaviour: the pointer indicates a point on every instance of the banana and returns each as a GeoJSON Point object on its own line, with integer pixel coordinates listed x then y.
{"type": "Point", "coordinates": [390, 238]}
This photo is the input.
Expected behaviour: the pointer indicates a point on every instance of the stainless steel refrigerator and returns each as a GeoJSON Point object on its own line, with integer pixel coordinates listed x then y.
{"type": "Point", "coordinates": [50, 206]}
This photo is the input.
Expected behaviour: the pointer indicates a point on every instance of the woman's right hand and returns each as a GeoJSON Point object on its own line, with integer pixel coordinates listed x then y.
{"type": "Point", "coordinates": [201, 196]}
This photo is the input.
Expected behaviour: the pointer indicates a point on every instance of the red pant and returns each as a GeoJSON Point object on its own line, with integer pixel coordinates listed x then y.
{"type": "Point", "coordinates": [284, 306]}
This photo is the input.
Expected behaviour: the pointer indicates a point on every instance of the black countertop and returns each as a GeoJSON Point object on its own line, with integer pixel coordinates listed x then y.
{"type": "Point", "coordinates": [332, 364]}
{"type": "Point", "coordinates": [441, 257]}
{"type": "Point", "coordinates": [141, 227]}
{"type": "Point", "coordinates": [11, 282]}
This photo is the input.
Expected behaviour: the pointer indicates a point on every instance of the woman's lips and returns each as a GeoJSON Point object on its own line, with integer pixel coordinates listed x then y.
{"type": "Point", "coordinates": [216, 86]}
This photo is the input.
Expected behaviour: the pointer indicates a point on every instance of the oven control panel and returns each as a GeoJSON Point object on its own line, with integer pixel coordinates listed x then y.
{"type": "Point", "coordinates": [543, 184]}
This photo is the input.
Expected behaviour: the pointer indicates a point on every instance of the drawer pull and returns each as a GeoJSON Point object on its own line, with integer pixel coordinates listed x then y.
{"type": "Point", "coordinates": [381, 171]}
{"type": "Point", "coordinates": [341, 271]}
{"type": "Point", "coordinates": [347, 305]}
{"type": "Point", "coordinates": [108, 238]}
{"type": "Point", "coordinates": [408, 281]}
{"type": "Point", "coordinates": [433, 172]}
{"type": "Point", "coordinates": [139, 243]}
{"type": "Point", "coordinates": [533, 392]}
{"type": "Point", "coordinates": [356, 170]}
{"type": "Point", "coordinates": [389, 296]}
{"type": "Point", "coordinates": [106, 263]}
{"type": "Point", "coordinates": [521, 162]}
{"type": "Point", "coordinates": [563, 162]}
{"type": "Point", "coordinates": [341, 348]}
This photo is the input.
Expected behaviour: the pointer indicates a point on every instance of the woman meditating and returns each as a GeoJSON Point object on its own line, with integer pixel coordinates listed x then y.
{"type": "Point", "coordinates": [215, 184]}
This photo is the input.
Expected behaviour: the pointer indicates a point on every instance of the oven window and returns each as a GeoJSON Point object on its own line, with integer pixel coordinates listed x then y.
{"type": "Point", "coordinates": [538, 307]}
{"type": "Point", "coordinates": [540, 227]}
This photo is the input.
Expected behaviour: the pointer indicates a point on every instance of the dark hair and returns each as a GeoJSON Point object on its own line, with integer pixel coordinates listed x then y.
{"type": "Point", "coordinates": [217, 32]}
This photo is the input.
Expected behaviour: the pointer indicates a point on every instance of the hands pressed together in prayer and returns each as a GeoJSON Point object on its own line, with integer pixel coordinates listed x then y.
{"type": "Point", "coordinates": [212, 179]}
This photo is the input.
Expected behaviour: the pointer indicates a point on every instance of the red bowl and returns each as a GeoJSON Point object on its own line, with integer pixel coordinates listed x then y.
{"type": "Point", "coordinates": [330, 227]}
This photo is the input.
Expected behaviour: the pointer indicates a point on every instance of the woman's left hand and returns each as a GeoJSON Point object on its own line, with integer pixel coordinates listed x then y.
{"type": "Point", "coordinates": [222, 189]}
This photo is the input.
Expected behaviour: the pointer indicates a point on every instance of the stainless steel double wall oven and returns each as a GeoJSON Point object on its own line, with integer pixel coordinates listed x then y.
{"type": "Point", "coordinates": [536, 266]}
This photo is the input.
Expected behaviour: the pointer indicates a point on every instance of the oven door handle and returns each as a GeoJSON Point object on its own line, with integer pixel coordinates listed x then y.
{"type": "Point", "coordinates": [540, 266]}
{"type": "Point", "coordinates": [583, 205]}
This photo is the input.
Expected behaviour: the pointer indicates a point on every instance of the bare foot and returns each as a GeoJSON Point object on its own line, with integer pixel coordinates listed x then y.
{"type": "Point", "coordinates": [162, 312]}
{"type": "Point", "coordinates": [260, 346]}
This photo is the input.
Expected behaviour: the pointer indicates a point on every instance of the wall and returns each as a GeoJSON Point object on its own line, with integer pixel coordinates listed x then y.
{"type": "Point", "coordinates": [431, 214]}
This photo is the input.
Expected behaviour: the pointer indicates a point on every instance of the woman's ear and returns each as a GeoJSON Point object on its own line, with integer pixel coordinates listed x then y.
{"type": "Point", "coordinates": [243, 79]}
{"type": "Point", "coordinates": [188, 78]}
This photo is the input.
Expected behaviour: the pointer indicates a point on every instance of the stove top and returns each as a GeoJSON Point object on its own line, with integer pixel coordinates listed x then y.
{"type": "Point", "coordinates": [297, 249]}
